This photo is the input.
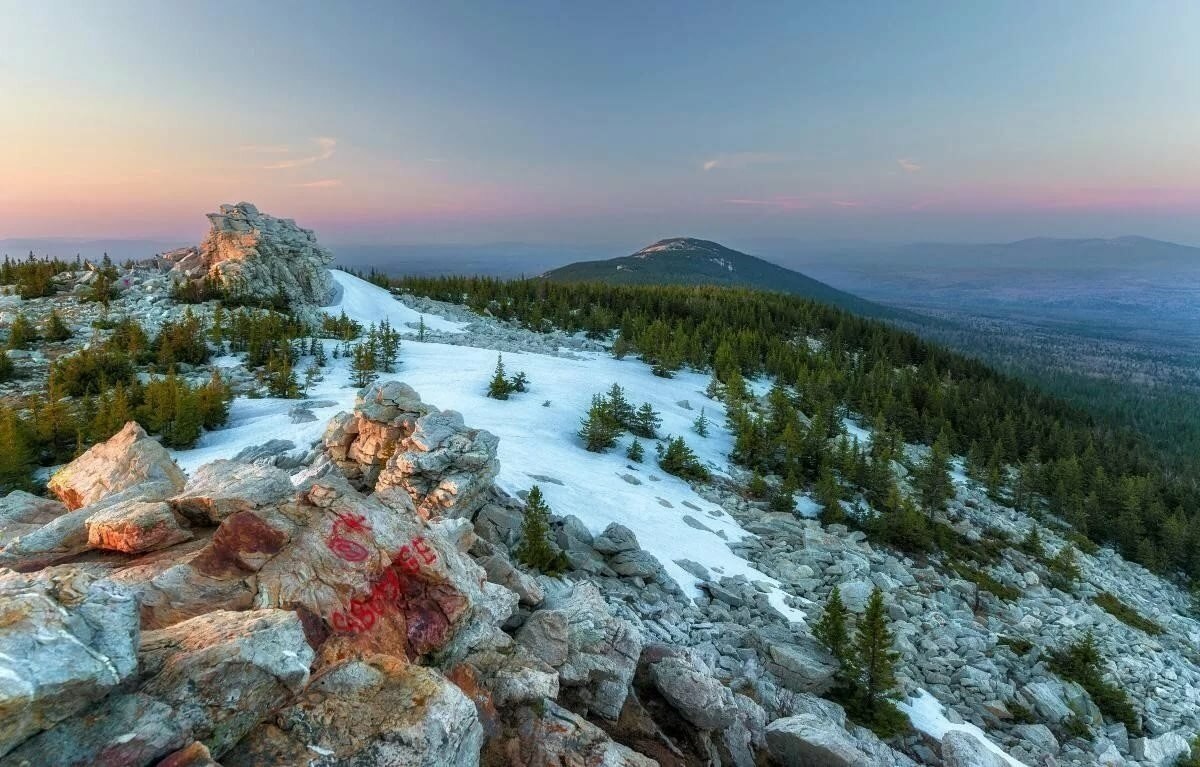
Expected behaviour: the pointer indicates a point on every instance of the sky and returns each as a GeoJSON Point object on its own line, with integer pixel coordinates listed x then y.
{"type": "Point", "coordinates": [598, 123]}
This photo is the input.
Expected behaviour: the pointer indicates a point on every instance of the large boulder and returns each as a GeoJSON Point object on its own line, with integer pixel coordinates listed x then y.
{"type": "Point", "coordinates": [66, 640]}
{"type": "Point", "coordinates": [130, 459]}
{"type": "Point", "coordinates": [800, 662]}
{"type": "Point", "coordinates": [1162, 750]}
{"type": "Point", "coordinates": [693, 691]}
{"type": "Point", "coordinates": [22, 512]}
{"type": "Point", "coordinates": [365, 574]}
{"type": "Point", "coordinates": [394, 442]}
{"type": "Point", "coordinates": [813, 741]}
{"type": "Point", "coordinates": [374, 711]}
{"type": "Point", "coordinates": [257, 256]}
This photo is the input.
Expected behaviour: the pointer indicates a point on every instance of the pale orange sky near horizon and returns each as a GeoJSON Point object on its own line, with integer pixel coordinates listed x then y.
{"type": "Point", "coordinates": [411, 124]}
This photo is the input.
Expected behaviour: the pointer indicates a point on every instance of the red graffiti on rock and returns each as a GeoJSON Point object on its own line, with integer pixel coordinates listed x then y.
{"type": "Point", "coordinates": [391, 589]}
{"type": "Point", "coordinates": [346, 548]}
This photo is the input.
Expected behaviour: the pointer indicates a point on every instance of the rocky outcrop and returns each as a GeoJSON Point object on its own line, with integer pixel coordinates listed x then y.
{"type": "Point", "coordinates": [256, 256]}
{"type": "Point", "coordinates": [395, 442]}
{"type": "Point", "coordinates": [128, 459]}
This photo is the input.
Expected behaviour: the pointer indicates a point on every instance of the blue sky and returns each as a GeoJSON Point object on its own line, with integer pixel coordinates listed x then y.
{"type": "Point", "coordinates": [607, 122]}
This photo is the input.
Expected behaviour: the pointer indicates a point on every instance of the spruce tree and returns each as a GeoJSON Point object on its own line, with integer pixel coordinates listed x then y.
{"type": "Point", "coordinates": [645, 422]}
{"type": "Point", "coordinates": [597, 431]}
{"type": "Point", "coordinates": [499, 387]}
{"type": "Point", "coordinates": [678, 459]}
{"type": "Point", "coordinates": [700, 425]}
{"type": "Point", "coordinates": [933, 476]}
{"type": "Point", "coordinates": [830, 497]}
{"type": "Point", "coordinates": [536, 549]}
{"type": "Point", "coordinates": [784, 499]}
{"type": "Point", "coordinates": [519, 382]}
{"type": "Point", "coordinates": [21, 333]}
{"type": "Point", "coordinates": [874, 657]}
{"type": "Point", "coordinates": [635, 452]}
{"type": "Point", "coordinates": [362, 365]}
{"type": "Point", "coordinates": [421, 329]}
{"type": "Point", "coordinates": [833, 632]}
{"type": "Point", "coordinates": [619, 407]}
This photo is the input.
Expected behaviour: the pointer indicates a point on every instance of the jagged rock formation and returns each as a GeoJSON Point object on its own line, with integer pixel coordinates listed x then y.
{"type": "Point", "coordinates": [257, 256]}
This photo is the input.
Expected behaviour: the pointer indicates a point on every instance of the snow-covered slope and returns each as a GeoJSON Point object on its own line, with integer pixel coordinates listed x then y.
{"type": "Point", "coordinates": [538, 433]}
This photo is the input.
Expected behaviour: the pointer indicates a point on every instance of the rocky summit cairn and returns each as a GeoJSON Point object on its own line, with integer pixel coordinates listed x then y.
{"type": "Point", "coordinates": [257, 256]}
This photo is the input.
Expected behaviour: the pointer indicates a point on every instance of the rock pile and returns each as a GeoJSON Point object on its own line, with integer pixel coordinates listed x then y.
{"type": "Point", "coordinates": [395, 442]}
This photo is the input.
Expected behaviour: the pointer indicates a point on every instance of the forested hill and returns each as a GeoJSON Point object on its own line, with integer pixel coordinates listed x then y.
{"type": "Point", "coordinates": [1103, 481]}
{"type": "Point", "coordinates": [689, 261]}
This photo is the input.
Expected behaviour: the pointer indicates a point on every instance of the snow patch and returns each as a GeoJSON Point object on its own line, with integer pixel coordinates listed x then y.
{"type": "Point", "coordinates": [929, 716]}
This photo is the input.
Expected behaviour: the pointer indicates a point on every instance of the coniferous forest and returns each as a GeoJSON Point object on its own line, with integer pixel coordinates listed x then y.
{"type": "Point", "coordinates": [1105, 481]}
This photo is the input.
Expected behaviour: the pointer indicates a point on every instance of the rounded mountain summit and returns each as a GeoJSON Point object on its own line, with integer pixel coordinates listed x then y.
{"type": "Point", "coordinates": [690, 261]}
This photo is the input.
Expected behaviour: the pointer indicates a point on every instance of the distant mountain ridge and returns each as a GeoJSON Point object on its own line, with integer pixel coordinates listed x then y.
{"type": "Point", "coordinates": [691, 261]}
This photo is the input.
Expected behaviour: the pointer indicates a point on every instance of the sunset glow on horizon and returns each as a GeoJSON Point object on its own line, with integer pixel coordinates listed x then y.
{"type": "Point", "coordinates": [388, 124]}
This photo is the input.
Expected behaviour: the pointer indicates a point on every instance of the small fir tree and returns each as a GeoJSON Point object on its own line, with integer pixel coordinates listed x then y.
{"type": "Point", "coordinates": [597, 431]}
{"type": "Point", "coordinates": [362, 365]}
{"type": "Point", "coordinates": [831, 630]}
{"type": "Point", "coordinates": [700, 425]}
{"type": "Point", "coordinates": [635, 452]}
{"type": "Point", "coordinates": [499, 387]}
{"type": "Point", "coordinates": [830, 497]}
{"type": "Point", "coordinates": [519, 382]}
{"type": "Point", "coordinates": [678, 459]}
{"type": "Point", "coordinates": [21, 333]}
{"type": "Point", "coordinates": [874, 656]}
{"type": "Point", "coordinates": [16, 454]}
{"type": "Point", "coordinates": [646, 422]}
{"type": "Point", "coordinates": [933, 476]}
{"type": "Point", "coordinates": [536, 549]}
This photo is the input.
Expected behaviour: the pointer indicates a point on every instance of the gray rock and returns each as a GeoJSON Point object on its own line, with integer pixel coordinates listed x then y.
{"type": "Point", "coordinates": [812, 741]}
{"type": "Point", "coordinates": [1161, 751]}
{"type": "Point", "coordinates": [370, 712]}
{"type": "Point", "coordinates": [65, 642]}
{"type": "Point", "coordinates": [546, 635]}
{"type": "Point", "coordinates": [694, 692]}
{"type": "Point", "coordinates": [259, 256]}
{"type": "Point", "coordinates": [615, 539]}
{"type": "Point", "coordinates": [219, 489]}
{"type": "Point", "coordinates": [262, 654]}
{"type": "Point", "coordinates": [1038, 736]}
{"type": "Point", "coordinates": [962, 749]}
{"type": "Point", "coordinates": [602, 651]}
{"type": "Point", "coordinates": [269, 452]}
